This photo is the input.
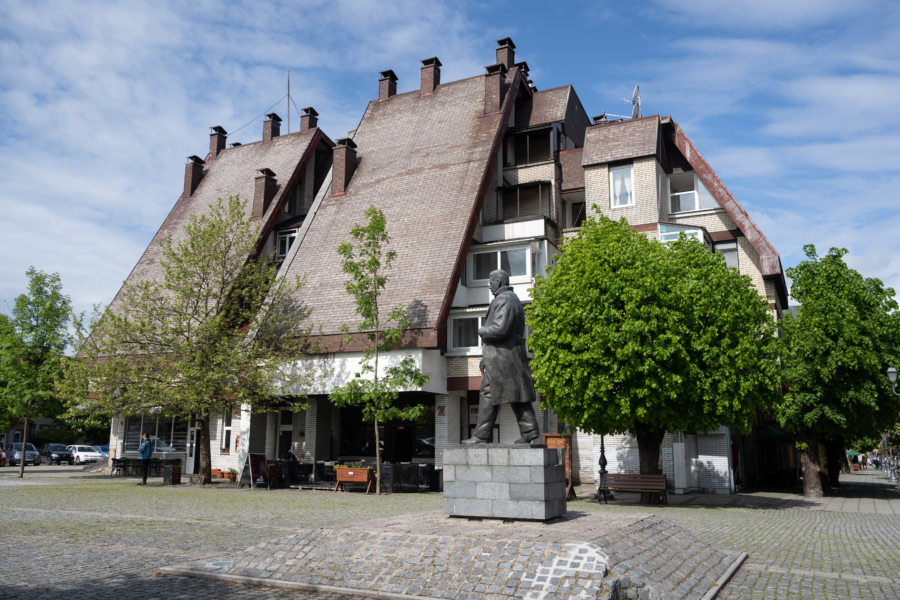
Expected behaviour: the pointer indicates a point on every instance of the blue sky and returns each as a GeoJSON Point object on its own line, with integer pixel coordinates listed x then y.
{"type": "Point", "coordinates": [793, 103]}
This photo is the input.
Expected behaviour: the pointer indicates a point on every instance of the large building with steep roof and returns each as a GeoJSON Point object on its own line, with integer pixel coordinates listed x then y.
{"type": "Point", "coordinates": [472, 175]}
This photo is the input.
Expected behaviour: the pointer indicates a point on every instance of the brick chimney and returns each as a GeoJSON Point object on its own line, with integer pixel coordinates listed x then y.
{"type": "Point", "coordinates": [431, 75]}
{"type": "Point", "coordinates": [506, 53]}
{"type": "Point", "coordinates": [271, 127]}
{"type": "Point", "coordinates": [344, 158]}
{"type": "Point", "coordinates": [309, 119]}
{"type": "Point", "coordinates": [263, 191]}
{"type": "Point", "coordinates": [217, 137]}
{"type": "Point", "coordinates": [387, 85]}
{"type": "Point", "coordinates": [193, 171]}
{"type": "Point", "coordinates": [494, 88]}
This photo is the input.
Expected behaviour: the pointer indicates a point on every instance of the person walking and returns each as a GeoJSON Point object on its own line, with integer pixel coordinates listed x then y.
{"type": "Point", "coordinates": [145, 451]}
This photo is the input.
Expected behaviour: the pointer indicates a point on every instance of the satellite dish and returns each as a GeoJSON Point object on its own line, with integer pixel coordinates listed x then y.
{"type": "Point", "coordinates": [635, 102]}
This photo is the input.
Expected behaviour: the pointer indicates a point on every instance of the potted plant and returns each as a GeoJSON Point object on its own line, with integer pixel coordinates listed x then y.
{"type": "Point", "coordinates": [232, 475]}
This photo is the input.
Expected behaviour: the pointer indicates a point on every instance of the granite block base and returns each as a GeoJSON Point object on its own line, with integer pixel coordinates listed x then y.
{"type": "Point", "coordinates": [505, 482]}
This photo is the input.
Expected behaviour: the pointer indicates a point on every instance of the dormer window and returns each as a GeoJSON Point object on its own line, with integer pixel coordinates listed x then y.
{"type": "Point", "coordinates": [621, 186]}
{"type": "Point", "coordinates": [529, 200]}
{"type": "Point", "coordinates": [687, 193]}
{"type": "Point", "coordinates": [283, 241]}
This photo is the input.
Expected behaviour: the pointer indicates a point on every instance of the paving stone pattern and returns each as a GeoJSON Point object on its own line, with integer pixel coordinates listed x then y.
{"type": "Point", "coordinates": [584, 556]}
{"type": "Point", "coordinates": [70, 535]}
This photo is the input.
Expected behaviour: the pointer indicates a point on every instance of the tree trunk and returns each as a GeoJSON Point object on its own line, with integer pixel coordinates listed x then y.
{"type": "Point", "coordinates": [649, 440]}
{"type": "Point", "coordinates": [377, 460]}
{"type": "Point", "coordinates": [203, 441]}
{"type": "Point", "coordinates": [809, 461]}
{"type": "Point", "coordinates": [24, 445]}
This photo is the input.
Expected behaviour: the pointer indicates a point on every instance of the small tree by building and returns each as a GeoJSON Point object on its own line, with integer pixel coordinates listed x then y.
{"type": "Point", "coordinates": [835, 352]}
{"type": "Point", "coordinates": [376, 387]}
{"type": "Point", "coordinates": [629, 334]}
{"type": "Point", "coordinates": [219, 329]}
{"type": "Point", "coordinates": [32, 343]}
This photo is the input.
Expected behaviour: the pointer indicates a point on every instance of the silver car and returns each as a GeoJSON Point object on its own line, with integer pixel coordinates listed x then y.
{"type": "Point", "coordinates": [31, 454]}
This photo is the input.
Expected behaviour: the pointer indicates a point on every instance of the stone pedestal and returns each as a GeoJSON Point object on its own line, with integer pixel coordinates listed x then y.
{"type": "Point", "coordinates": [505, 482]}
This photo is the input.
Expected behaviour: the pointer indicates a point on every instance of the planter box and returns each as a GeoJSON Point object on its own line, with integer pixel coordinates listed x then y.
{"type": "Point", "coordinates": [351, 475]}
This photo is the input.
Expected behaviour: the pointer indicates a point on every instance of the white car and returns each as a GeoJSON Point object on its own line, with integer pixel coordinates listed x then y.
{"type": "Point", "coordinates": [85, 454]}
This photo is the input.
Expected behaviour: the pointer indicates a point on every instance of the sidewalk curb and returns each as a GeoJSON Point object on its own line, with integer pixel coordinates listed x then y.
{"type": "Point", "coordinates": [723, 580]}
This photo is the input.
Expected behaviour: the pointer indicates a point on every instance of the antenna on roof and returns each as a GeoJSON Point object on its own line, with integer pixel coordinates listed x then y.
{"type": "Point", "coordinates": [635, 102]}
{"type": "Point", "coordinates": [289, 102]}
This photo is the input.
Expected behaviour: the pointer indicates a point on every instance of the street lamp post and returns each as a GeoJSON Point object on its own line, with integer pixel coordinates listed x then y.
{"type": "Point", "coordinates": [895, 466]}
{"type": "Point", "coordinates": [602, 492]}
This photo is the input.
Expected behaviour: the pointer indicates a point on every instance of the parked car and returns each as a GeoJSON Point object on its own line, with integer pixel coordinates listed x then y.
{"type": "Point", "coordinates": [31, 454]}
{"type": "Point", "coordinates": [57, 454]}
{"type": "Point", "coordinates": [103, 448]}
{"type": "Point", "coordinates": [85, 454]}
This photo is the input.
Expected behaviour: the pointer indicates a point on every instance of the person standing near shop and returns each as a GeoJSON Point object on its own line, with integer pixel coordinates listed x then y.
{"type": "Point", "coordinates": [145, 452]}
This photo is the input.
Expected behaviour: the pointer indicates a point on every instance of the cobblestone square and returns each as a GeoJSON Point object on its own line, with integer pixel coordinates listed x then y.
{"type": "Point", "coordinates": [73, 534]}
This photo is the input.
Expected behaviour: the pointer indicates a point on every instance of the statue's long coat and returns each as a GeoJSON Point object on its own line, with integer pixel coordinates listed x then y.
{"type": "Point", "coordinates": [506, 372]}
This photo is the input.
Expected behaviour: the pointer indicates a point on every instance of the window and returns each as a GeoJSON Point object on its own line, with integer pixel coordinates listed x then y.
{"type": "Point", "coordinates": [513, 260]}
{"type": "Point", "coordinates": [621, 186]}
{"type": "Point", "coordinates": [576, 214]}
{"type": "Point", "coordinates": [523, 200]}
{"type": "Point", "coordinates": [669, 233]}
{"type": "Point", "coordinates": [464, 332]}
{"type": "Point", "coordinates": [226, 432]}
{"type": "Point", "coordinates": [171, 431]}
{"type": "Point", "coordinates": [528, 147]}
{"type": "Point", "coordinates": [283, 242]}
{"type": "Point", "coordinates": [687, 193]}
{"type": "Point", "coordinates": [729, 251]}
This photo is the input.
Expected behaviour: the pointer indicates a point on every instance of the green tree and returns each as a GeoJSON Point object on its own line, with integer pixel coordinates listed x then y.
{"type": "Point", "coordinates": [835, 351]}
{"type": "Point", "coordinates": [376, 387]}
{"type": "Point", "coordinates": [218, 329]}
{"type": "Point", "coordinates": [629, 334]}
{"type": "Point", "coordinates": [32, 343]}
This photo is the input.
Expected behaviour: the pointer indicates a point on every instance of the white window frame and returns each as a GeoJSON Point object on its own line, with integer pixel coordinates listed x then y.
{"type": "Point", "coordinates": [612, 192]}
{"type": "Point", "coordinates": [530, 259]}
{"type": "Point", "coordinates": [721, 247]}
{"type": "Point", "coordinates": [282, 235]}
{"type": "Point", "coordinates": [454, 349]}
{"type": "Point", "coordinates": [227, 426]}
{"type": "Point", "coordinates": [671, 236]}
{"type": "Point", "coordinates": [682, 196]}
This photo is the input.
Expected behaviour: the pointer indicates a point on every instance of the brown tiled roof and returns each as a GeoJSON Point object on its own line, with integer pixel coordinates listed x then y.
{"type": "Point", "coordinates": [572, 171]}
{"type": "Point", "coordinates": [545, 106]}
{"type": "Point", "coordinates": [421, 160]}
{"type": "Point", "coordinates": [620, 140]}
{"type": "Point", "coordinates": [231, 173]}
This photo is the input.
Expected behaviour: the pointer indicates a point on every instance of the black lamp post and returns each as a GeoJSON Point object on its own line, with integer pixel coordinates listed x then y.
{"type": "Point", "coordinates": [894, 467]}
{"type": "Point", "coordinates": [602, 493]}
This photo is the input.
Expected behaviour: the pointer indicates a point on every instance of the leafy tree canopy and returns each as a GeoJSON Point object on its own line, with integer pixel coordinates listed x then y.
{"type": "Point", "coordinates": [629, 334]}
{"type": "Point", "coordinates": [32, 343]}
{"type": "Point", "coordinates": [836, 350]}
{"type": "Point", "coordinates": [218, 329]}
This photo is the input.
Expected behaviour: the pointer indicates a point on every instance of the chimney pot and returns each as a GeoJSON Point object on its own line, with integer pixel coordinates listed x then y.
{"type": "Point", "coordinates": [344, 158]}
{"type": "Point", "coordinates": [309, 119]}
{"type": "Point", "coordinates": [387, 85]}
{"type": "Point", "coordinates": [217, 137]}
{"type": "Point", "coordinates": [431, 75]}
{"type": "Point", "coordinates": [271, 127]}
{"type": "Point", "coordinates": [193, 172]}
{"type": "Point", "coordinates": [264, 190]}
{"type": "Point", "coordinates": [506, 52]}
{"type": "Point", "coordinates": [494, 87]}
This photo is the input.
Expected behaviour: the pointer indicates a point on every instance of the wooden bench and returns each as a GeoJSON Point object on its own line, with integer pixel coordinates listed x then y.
{"type": "Point", "coordinates": [633, 482]}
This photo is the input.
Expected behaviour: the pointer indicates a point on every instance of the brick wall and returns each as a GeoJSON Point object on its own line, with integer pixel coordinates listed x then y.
{"type": "Point", "coordinates": [646, 192]}
{"type": "Point", "coordinates": [714, 457]}
{"type": "Point", "coordinates": [463, 366]}
{"type": "Point", "coordinates": [447, 411]}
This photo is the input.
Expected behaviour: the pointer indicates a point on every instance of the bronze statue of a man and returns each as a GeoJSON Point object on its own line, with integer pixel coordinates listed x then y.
{"type": "Point", "coordinates": [507, 377]}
